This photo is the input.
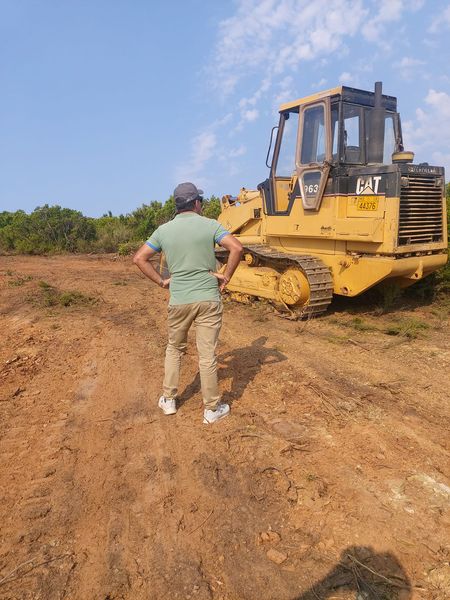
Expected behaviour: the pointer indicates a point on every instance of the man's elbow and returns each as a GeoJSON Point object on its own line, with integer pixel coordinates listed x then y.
{"type": "Point", "coordinates": [138, 259]}
{"type": "Point", "coordinates": [239, 249]}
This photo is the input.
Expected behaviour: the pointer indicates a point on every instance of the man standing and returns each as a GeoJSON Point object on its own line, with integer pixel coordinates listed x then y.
{"type": "Point", "coordinates": [188, 244]}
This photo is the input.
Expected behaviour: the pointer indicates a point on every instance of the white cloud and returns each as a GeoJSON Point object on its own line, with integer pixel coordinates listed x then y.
{"type": "Point", "coordinates": [236, 152]}
{"type": "Point", "coordinates": [250, 115]}
{"type": "Point", "coordinates": [345, 77]}
{"type": "Point", "coordinates": [431, 43]}
{"type": "Point", "coordinates": [430, 129]}
{"type": "Point", "coordinates": [407, 62]}
{"type": "Point", "coordinates": [409, 67]}
{"type": "Point", "coordinates": [441, 21]}
{"type": "Point", "coordinates": [285, 91]}
{"type": "Point", "coordinates": [252, 100]}
{"type": "Point", "coordinates": [202, 150]}
{"type": "Point", "coordinates": [366, 65]}
{"type": "Point", "coordinates": [353, 79]}
{"type": "Point", "coordinates": [440, 101]}
{"type": "Point", "coordinates": [388, 11]}
{"type": "Point", "coordinates": [230, 162]}
{"type": "Point", "coordinates": [223, 121]}
{"type": "Point", "coordinates": [247, 116]}
{"type": "Point", "coordinates": [319, 84]}
{"type": "Point", "coordinates": [280, 34]}
{"type": "Point", "coordinates": [441, 159]}
{"type": "Point", "coordinates": [228, 84]}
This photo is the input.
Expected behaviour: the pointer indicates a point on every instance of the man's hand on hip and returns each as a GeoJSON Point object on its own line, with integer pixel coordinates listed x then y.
{"type": "Point", "coordinates": [223, 279]}
{"type": "Point", "coordinates": [235, 252]}
{"type": "Point", "coordinates": [142, 258]}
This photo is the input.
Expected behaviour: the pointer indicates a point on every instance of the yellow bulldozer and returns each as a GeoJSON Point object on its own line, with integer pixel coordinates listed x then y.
{"type": "Point", "coordinates": [343, 208]}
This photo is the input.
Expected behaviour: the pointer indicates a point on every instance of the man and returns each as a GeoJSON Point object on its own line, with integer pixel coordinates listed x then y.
{"type": "Point", "coordinates": [188, 244]}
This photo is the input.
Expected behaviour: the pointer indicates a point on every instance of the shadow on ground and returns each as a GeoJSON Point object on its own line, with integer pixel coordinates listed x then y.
{"type": "Point", "coordinates": [369, 574]}
{"type": "Point", "coordinates": [386, 298]}
{"type": "Point", "coordinates": [241, 365]}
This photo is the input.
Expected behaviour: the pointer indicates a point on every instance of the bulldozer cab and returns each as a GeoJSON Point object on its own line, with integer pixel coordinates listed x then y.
{"type": "Point", "coordinates": [324, 135]}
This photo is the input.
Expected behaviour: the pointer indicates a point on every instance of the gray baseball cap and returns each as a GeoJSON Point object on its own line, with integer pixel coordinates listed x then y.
{"type": "Point", "coordinates": [185, 193]}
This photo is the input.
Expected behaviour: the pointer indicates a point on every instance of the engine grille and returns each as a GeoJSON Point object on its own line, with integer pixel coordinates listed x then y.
{"type": "Point", "coordinates": [421, 217]}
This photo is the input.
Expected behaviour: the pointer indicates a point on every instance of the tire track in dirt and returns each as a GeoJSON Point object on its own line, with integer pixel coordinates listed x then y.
{"type": "Point", "coordinates": [35, 459]}
{"type": "Point", "coordinates": [144, 505]}
{"type": "Point", "coordinates": [105, 472]}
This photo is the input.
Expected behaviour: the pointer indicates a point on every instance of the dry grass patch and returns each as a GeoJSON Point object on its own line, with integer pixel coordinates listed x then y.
{"type": "Point", "coordinates": [49, 296]}
{"type": "Point", "coordinates": [408, 327]}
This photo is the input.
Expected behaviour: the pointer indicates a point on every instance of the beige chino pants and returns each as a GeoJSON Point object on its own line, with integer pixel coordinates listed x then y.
{"type": "Point", "coordinates": [207, 318]}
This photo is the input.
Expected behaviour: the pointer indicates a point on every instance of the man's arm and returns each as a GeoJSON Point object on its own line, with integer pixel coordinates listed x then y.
{"type": "Point", "coordinates": [235, 249]}
{"type": "Point", "coordinates": [141, 259]}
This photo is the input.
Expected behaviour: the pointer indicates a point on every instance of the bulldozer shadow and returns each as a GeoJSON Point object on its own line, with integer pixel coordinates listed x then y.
{"type": "Point", "coordinates": [365, 574]}
{"type": "Point", "coordinates": [241, 365]}
{"type": "Point", "coordinates": [387, 298]}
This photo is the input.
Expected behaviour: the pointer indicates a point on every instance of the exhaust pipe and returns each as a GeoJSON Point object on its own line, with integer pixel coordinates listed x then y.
{"type": "Point", "coordinates": [378, 93]}
{"type": "Point", "coordinates": [376, 130]}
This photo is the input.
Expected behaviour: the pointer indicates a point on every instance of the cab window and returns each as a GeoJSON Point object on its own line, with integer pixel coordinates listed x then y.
{"type": "Point", "coordinates": [352, 134]}
{"type": "Point", "coordinates": [389, 139]}
{"type": "Point", "coordinates": [286, 158]}
{"type": "Point", "coordinates": [334, 132]}
{"type": "Point", "coordinates": [313, 138]}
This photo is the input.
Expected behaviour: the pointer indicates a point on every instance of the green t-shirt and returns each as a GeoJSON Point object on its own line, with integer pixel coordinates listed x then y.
{"type": "Point", "coordinates": [188, 244]}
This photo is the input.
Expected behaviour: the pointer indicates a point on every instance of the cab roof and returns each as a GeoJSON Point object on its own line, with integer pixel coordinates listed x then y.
{"type": "Point", "coordinates": [352, 95]}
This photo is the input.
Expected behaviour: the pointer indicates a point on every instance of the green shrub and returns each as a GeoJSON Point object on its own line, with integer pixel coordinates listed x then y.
{"type": "Point", "coordinates": [44, 285]}
{"type": "Point", "coordinates": [408, 327]}
{"type": "Point", "coordinates": [390, 295]}
{"type": "Point", "coordinates": [129, 248]}
{"type": "Point", "coordinates": [211, 207]}
{"type": "Point", "coordinates": [19, 281]}
{"type": "Point", "coordinates": [361, 325]}
{"type": "Point", "coordinates": [46, 229]}
{"type": "Point", "coordinates": [51, 296]}
{"type": "Point", "coordinates": [71, 298]}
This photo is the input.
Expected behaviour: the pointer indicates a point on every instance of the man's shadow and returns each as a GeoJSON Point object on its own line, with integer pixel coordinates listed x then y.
{"type": "Point", "coordinates": [369, 574]}
{"type": "Point", "coordinates": [241, 365]}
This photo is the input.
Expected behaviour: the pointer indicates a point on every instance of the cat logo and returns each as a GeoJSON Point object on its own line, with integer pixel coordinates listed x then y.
{"type": "Point", "coordinates": [368, 185]}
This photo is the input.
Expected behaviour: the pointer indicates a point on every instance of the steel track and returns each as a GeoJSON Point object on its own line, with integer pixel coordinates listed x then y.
{"type": "Point", "coordinates": [317, 274]}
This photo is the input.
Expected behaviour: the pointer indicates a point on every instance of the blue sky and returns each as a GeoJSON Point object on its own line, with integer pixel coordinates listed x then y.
{"type": "Point", "coordinates": [108, 104]}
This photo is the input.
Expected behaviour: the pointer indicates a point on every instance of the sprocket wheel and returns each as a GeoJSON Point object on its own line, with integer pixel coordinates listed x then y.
{"type": "Point", "coordinates": [293, 287]}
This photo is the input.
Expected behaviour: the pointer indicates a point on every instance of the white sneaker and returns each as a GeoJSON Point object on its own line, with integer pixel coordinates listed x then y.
{"type": "Point", "coordinates": [211, 416]}
{"type": "Point", "coordinates": [167, 405]}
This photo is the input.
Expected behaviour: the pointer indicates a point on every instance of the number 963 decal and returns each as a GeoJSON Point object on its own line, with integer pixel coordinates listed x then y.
{"type": "Point", "coordinates": [312, 188]}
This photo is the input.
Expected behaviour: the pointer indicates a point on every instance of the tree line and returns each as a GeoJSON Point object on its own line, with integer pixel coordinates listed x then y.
{"type": "Point", "coordinates": [54, 229]}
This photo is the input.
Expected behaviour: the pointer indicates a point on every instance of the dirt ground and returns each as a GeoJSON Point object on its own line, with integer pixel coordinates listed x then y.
{"type": "Point", "coordinates": [329, 479]}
